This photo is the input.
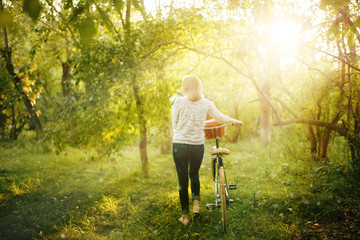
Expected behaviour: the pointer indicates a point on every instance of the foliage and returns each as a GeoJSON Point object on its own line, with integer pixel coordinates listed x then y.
{"type": "Point", "coordinates": [97, 75]}
{"type": "Point", "coordinates": [13, 113]}
{"type": "Point", "coordinates": [100, 73]}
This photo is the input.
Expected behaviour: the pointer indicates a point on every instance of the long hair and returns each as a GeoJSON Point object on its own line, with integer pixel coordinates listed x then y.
{"type": "Point", "coordinates": [192, 88]}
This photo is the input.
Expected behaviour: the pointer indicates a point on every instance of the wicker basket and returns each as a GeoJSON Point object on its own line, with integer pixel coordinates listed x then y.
{"type": "Point", "coordinates": [212, 133]}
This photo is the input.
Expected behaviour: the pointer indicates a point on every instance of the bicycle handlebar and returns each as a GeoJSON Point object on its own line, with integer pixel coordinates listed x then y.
{"type": "Point", "coordinates": [217, 127]}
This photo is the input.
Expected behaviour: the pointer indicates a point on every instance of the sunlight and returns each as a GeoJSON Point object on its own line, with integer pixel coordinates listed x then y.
{"type": "Point", "coordinates": [283, 32]}
{"type": "Point", "coordinates": [281, 38]}
{"type": "Point", "coordinates": [152, 6]}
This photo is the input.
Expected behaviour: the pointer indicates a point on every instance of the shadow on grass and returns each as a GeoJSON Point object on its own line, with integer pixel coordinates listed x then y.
{"type": "Point", "coordinates": [38, 201]}
{"type": "Point", "coordinates": [42, 211]}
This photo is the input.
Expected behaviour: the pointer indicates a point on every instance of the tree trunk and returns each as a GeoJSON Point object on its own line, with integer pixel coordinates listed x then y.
{"type": "Point", "coordinates": [237, 130]}
{"type": "Point", "coordinates": [357, 120]}
{"type": "Point", "coordinates": [312, 139]}
{"type": "Point", "coordinates": [143, 129]}
{"type": "Point", "coordinates": [353, 58]}
{"type": "Point", "coordinates": [323, 145]}
{"type": "Point", "coordinates": [10, 68]}
{"type": "Point", "coordinates": [34, 117]}
{"type": "Point", "coordinates": [143, 147]}
{"type": "Point", "coordinates": [355, 151]}
{"type": "Point", "coordinates": [165, 128]}
{"type": "Point", "coordinates": [320, 138]}
{"type": "Point", "coordinates": [16, 127]}
{"type": "Point", "coordinates": [138, 99]}
{"type": "Point", "coordinates": [13, 123]}
{"type": "Point", "coordinates": [166, 136]}
{"type": "Point", "coordinates": [265, 125]}
{"type": "Point", "coordinates": [65, 81]}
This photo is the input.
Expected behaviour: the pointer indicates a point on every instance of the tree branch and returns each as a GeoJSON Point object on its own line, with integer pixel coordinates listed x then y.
{"type": "Point", "coordinates": [318, 123]}
{"type": "Point", "coordinates": [55, 29]}
{"type": "Point", "coordinates": [250, 77]}
{"type": "Point", "coordinates": [350, 23]}
{"type": "Point", "coordinates": [154, 49]}
{"type": "Point", "coordinates": [331, 55]}
{"type": "Point", "coordinates": [316, 69]}
{"type": "Point", "coordinates": [109, 21]}
{"type": "Point", "coordinates": [279, 122]}
{"type": "Point", "coordinates": [286, 107]}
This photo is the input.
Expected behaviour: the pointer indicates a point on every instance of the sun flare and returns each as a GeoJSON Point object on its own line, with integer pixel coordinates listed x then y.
{"type": "Point", "coordinates": [283, 32]}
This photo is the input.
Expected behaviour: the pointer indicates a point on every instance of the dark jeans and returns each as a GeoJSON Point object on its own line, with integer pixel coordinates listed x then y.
{"type": "Point", "coordinates": [186, 155]}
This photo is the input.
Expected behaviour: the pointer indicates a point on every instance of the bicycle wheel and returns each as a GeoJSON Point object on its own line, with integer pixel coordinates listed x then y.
{"type": "Point", "coordinates": [223, 197]}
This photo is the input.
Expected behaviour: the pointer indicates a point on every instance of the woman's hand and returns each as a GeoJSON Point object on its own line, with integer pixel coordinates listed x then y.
{"type": "Point", "coordinates": [237, 123]}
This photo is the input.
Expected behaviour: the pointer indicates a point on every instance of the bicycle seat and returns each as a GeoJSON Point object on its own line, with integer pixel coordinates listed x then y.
{"type": "Point", "coordinates": [220, 151]}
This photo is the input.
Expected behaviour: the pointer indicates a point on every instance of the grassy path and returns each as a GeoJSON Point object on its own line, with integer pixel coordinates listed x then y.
{"type": "Point", "coordinates": [281, 195]}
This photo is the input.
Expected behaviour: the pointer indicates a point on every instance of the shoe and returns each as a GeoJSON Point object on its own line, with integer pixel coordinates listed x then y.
{"type": "Point", "coordinates": [184, 220]}
{"type": "Point", "coordinates": [196, 207]}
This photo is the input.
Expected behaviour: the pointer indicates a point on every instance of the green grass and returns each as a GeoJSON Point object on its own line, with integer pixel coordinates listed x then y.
{"type": "Point", "coordinates": [281, 194]}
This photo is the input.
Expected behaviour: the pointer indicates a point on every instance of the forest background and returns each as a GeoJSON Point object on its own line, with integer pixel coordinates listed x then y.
{"type": "Point", "coordinates": [98, 77]}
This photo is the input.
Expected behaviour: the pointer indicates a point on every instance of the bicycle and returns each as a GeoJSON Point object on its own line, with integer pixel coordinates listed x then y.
{"type": "Point", "coordinates": [222, 199]}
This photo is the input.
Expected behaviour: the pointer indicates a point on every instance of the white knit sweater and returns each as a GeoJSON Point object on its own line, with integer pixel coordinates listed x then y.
{"type": "Point", "coordinates": [188, 120]}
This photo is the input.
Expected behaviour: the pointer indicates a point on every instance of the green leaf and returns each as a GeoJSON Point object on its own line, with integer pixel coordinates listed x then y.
{"type": "Point", "coordinates": [119, 5]}
{"type": "Point", "coordinates": [357, 22]}
{"type": "Point", "coordinates": [78, 10]}
{"type": "Point", "coordinates": [33, 50]}
{"type": "Point", "coordinates": [325, 3]}
{"type": "Point", "coordinates": [139, 5]}
{"type": "Point", "coordinates": [68, 4]}
{"type": "Point", "coordinates": [104, 18]}
{"type": "Point", "coordinates": [334, 29]}
{"type": "Point", "coordinates": [350, 38]}
{"type": "Point", "coordinates": [32, 8]}
{"type": "Point", "coordinates": [6, 19]}
{"type": "Point", "coordinates": [335, 4]}
{"type": "Point", "coordinates": [87, 30]}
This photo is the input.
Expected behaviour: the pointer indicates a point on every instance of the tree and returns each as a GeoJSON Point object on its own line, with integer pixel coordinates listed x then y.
{"type": "Point", "coordinates": [337, 101]}
{"type": "Point", "coordinates": [113, 60]}
{"type": "Point", "coordinates": [19, 78]}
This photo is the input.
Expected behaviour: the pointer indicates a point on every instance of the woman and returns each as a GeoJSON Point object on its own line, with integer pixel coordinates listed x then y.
{"type": "Point", "coordinates": [188, 119]}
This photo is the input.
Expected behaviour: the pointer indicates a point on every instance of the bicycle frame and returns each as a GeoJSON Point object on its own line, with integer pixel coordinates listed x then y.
{"type": "Point", "coordinates": [217, 162]}
{"type": "Point", "coordinates": [219, 179]}
{"type": "Point", "coordinates": [217, 158]}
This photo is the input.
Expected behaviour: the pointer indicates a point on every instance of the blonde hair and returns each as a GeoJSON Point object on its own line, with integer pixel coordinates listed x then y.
{"type": "Point", "coordinates": [192, 88]}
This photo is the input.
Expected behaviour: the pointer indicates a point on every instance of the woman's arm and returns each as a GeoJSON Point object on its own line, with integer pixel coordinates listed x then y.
{"type": "Point", "coordinates": [220, 117]}
{"type": "Point", "coordinates": [174, 115]}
